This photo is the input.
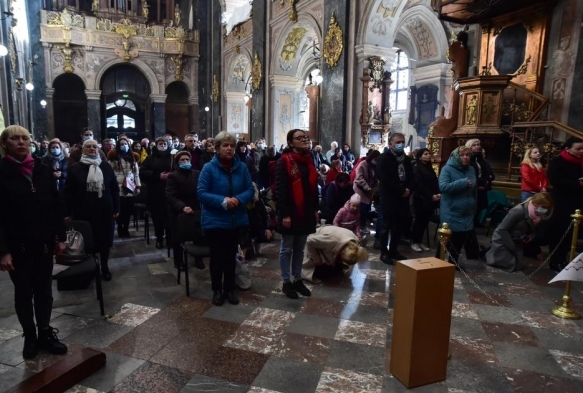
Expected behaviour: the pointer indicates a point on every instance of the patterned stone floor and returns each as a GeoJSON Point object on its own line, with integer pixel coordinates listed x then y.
{"type": "Point", "coordinates": [503, 338]}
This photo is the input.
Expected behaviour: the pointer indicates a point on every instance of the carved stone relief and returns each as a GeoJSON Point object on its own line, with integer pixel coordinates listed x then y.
{"type": "Point", "coordinates": [423, 38]}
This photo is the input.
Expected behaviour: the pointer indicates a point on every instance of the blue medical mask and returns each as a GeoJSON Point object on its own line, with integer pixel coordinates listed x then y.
{"type": "Point", "coordinates": [56, 151]}
{"type": "Point", "coordinates": [124, 148]}
{"type": "Point", "coordinates": [87, 138]}
{"type": "Point", "coordinates": [32, 149]}
{"type": "Point", "coordinates": [400, 147]}
{"type": "Point", "coordinates": [541, 211]}
{"type": "Point", "coordinates": [91, 157]}
{"type": "Point", "coordinates": [185, 165]}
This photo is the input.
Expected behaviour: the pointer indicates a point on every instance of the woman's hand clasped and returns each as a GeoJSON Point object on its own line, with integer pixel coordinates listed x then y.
{"type": "Point", "coordinates": [6, 263]}
{"type": "Point", "coordinates": [187, 210]}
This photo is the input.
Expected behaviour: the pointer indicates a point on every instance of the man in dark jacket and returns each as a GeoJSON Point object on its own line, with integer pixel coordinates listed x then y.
{"type": "Point", "coordinates": [396, 180]}
{"type": "Point", "coordinates": [190, 146]}
{"type": "Point", "coordinates": [267, 167]}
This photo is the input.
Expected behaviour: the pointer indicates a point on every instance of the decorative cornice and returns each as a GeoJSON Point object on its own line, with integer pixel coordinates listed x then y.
{"type": "Point", "coordinates": [93, 94]}
{"type": "Point", "coordinates": [158, 98]}
{"type": "Point", "coordinates": [285, 81]}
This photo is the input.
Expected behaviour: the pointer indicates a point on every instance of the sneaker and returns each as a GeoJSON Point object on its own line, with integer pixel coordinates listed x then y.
{"type": "Point", "coordinates": [416, 247]}
{"type": "Point", "coordinates": [218, 298]}
{"type": "Point", "coordinates": [231, 297]}
{"type": "Point", "coordinates": [424, 247]}
{"type": "Point", "coordinates": [301, 288]}
{"type": "Point", "coordinates": [30, 349]}
{"type": "Point", "coordinates": [48, 341]}
{"type": "Point", "coordinates": [289, 290]}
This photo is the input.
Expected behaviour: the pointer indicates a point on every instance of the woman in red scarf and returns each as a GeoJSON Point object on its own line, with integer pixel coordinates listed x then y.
{"type": "Point", "coordinates": [296, 189]}
{"type": "Point", "coordinates": [566, 178]}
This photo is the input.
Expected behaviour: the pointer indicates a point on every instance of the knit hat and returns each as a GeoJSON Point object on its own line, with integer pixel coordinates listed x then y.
{"type": "Point", "coordinates": [355, 198]}
{"type": "Point", "coordinates": [180, 154]}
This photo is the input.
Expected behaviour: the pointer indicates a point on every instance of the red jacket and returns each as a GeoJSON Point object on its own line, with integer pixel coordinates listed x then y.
{"type": "Point", "coordinates": [533, 180]}
{"type": "Point", "coordinates": [349, 219]}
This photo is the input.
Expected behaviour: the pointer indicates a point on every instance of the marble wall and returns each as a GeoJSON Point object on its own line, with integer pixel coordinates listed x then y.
{"type": "Point", "coordinates": [260, 48]}
{"type": "Point", "coordinates": [39, 114]}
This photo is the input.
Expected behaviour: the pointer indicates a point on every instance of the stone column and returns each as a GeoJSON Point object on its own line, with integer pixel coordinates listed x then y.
{"type": "Point", "coordinates": [50, 111]}
{"type": "Point", "coordinates": [193, 113]}
{"type": "Point", "coordinates": [158, 115]}
{"type": "Point", "coordinates": [313, 103]}
{"type": "Point", "coordinates": [94, 112]}
{"type": "Point", "coordinates": [260, 48]}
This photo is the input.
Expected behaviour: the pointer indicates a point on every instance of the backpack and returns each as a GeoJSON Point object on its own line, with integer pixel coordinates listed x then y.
{"type": "Point", "coordinates": [74, 251]}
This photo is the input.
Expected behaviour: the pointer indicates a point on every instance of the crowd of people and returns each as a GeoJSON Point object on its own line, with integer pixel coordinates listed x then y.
{"type": "Point", "coordinates": [239, 193]}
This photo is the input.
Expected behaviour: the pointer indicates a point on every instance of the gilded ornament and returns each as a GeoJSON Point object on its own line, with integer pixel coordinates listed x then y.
{"type": "Point", "coordinates": [487, 70]}
{"type": "Point", "coordinates": [178, 76]}
{"type": "Point", "coordinates": [12, 50]}
{"type": "Point", "coordinates": [523, 68]}
{"type": "Point", "coordinates": [377, 68]}
{"type": "Point", "coordinates": [293, 13]}
{"type": "Point", "coordinates": [292, 43]}
{"type": "Point", "coordinates": [471, 111]}
{"type": "Point", "coordinates": [256, 72]}
{"type": "Point", "coordinates": [145, 9]}
{"type": "Point", "coordinates": [333, 45]}
{"type": "Point", "coordinates": [177, 15]}
{"type": "Point", "coordinates": [68, 57]}
{"type": "Point", "coordinates": [127, 30]}
{"type": "Point", "coordinates": [215, 89]}
{"type": "Point", "coordinates": [489, 108]}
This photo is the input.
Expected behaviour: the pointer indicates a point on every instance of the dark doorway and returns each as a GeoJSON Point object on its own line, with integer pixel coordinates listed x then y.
{"type": "Point", "coordinates": [177, 117]}
{"type": "Point", "coordinates": [125, 91]}
{"type": "Point", "coordinates": [70, 107]}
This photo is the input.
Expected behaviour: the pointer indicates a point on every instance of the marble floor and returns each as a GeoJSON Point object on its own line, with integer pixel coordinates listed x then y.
{"type": "Point", "coordinates": [503, 338]}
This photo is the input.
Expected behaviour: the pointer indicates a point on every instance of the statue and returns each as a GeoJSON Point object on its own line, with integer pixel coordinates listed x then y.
{"type": "Point", "coordinates": [471, 111]}
{"type": "Point", "coordinates": [370, 112]}
{"type": "Point", "coordinates": [145, 9]}
{"type": "Point", "coordinates": [177, 14]}
{"type": "Point", "coordinates": [95, 6]}
{"type": "Point", "coordinates": [387, 115]}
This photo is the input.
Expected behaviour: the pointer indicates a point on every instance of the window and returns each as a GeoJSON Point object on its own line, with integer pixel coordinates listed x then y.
{"type": "Point", "coordinates": [400, 89]}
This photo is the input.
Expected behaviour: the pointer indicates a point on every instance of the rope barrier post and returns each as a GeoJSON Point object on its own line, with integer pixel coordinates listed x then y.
{"type": "Point", "coordinates": [444, 234]}
{"type": "Point", "coordinates": [565, 311]}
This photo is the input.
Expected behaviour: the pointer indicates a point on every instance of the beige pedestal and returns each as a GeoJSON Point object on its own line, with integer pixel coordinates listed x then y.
{"type": "Point", "coordinates": [421, 320]}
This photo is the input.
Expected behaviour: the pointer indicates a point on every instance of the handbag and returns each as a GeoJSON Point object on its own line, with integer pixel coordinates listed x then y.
{"type": "Point", "coordinates": [74, 251]}
{"type": "Point", "coordinates": [129, 182]}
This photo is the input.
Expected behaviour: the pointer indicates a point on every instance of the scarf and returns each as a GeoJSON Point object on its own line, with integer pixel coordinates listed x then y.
{"type": "Point", "coordinates": [25, 166]}
{"type": "Point", "coordinates": [295, 179]}
{"type": "Point", "coordinates": [477, 157]}
{"type": "Point", "coordinates": [95, 176]}
{"type": "Point", "coordinates": [56, 160]}
{"type": "Point", "coordinates": [401, 164]}
{"type": "Point", "coordinates": [571, 159]}
{"type": "Point", "coordinates": [457, 160]}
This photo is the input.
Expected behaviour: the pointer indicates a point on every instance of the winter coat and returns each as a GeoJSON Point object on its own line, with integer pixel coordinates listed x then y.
{"type": "Point", "coordinates": [58, 166]}
{"type": "Point", "coordinates": [331, 175]}
{"type": "Point", "coordinates": [333, 199]}
{"type": "Point", "coordinates": [507, 246]}
{"type": "Point", "coordinates": [215, 183]}
{"type": "Point", "coordinates": [566, 191]}
{"type": "Point", "coordinates": [364, 181]}
{"type": "Point", "coordinates": [205, 157]}
{"type": "Point", "coordinates": [181, 188]}
{"type": "Point", "coordinates": [83, 205]}
{"type": "Point", "coordinates": [426, 185]}
{"type": "Point", "coordinates": [391, 186]}
{"type": "Point", "coordinates": [458, 198]}
{"type": "Point", "coordinates": [349, 219]}
{"type": "Point", "coordinates": [266, 169]}
{"type": "Point", "coordinates": [324, 247]}
{"type": "Point", "coordinates": [533, 179]}
{"type": "Point", "coordinates": [30, 216]}
{"type": "Point", "coordinates": [484, 177]}
{"type": "Point", "coordinates": [150, 170]}
{"type": "Point", "coordinates": [122, 168]}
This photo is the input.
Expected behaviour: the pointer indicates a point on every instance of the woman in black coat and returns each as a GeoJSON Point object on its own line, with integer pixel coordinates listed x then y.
{"type": "Point", "coordinates": [425, 197]}
{"type": "Point", "coordinates": [181, 196]}
{"type": "Point", "coordinates": [565, 175]}
{"type": "Point", "coordinates": [92, 195]}
{"type": "Point", "coordinates": [31, 231]}
{"type": "Point", "coordinates": [56, 159]}
{"type": "Point", "coordinates": [154, 171]}
{"type": "Point", "coordinates": [484, 176]}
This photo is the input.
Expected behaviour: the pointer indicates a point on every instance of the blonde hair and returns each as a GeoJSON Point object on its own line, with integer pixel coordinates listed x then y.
{"type": "Point", "coordinates": [471, 142]}
{"type": "Point", "coordinates": [11, 131]}
{"type": "Point", "coordinates": [224, 136]}
{"type": "Point", "coordinates": [353, 253]}
{"type": "Point", "coordinates": [528, 161]}
{"type": "Point", "coordinates": [463, 149]}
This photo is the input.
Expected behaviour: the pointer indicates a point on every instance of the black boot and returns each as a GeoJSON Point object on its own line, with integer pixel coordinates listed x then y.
{"type": "Point", "coordinates": [289, 290]}
{"type": "Point", "coordinates": [105, 273]}
{"type": "Point", "coordinates": [231, 297]}
{"type": "Point", "coordinates": [301, 288]}
{"type": "Point", "coordinates": [30, 349]}
{"type": "Point", "coordinates": [386, 259]}
{"type": "Point", "coordinates": [218, 298]}
{"type": "Point", "coordinates": [48, 341]}
{"type": "Point", "coordinates": [159, 243]}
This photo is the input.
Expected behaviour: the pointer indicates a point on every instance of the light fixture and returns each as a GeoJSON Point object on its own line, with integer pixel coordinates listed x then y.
{"type": "Point", "coordinates": [3, 50]}
{"type": "Point", "coordinates": [29, 86]}
{"type": "Point", "coordinates": [43, 103]}
{"type": "Point", "coordinates": [206, 108]}
{"type": "Point", "coordinates": [317, 76]}
{"type": "Point", "coordinates": [248, 89]}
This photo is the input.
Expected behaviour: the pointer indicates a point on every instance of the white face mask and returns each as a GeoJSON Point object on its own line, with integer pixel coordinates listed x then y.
{"type": "Point", "coordinates": [87, 137]}
{"type": "Point", "coordinates": [162, 147]}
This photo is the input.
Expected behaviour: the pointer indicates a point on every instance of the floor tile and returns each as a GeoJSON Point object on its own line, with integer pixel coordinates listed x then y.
{"type": "Point", "coordinates": [82, 389]}
{"type": "Point", "coordinates": [98, 334]}
{"type": "Point", "coordinates": [463, 310]}
{"type": "Point", "coordinates": [13, 377]}
{"type": "Point", "coordinates": [256, 339]}
{"type": "Point", "coordinates": [4, 368]}
{"type": "Point", "coordinates": [152, 377]}
{"type": "Point", "coordinates": [367, 314]}
{"type": "Point", "coordinates": [132, 315]}
{"type": "Point", "coordinates": [514, 334]}
{"type": "Point", "coordinates": [229, 313]}
{"type": "Point", "coordinates": [559, 341]}
{"type": "Point", "coordinates": [492, 299]}
{"type": "Point", "coordinates": [255, 389]}
{"type": "Point", "coordinates": [549, 321]}
{"type": "Point", "coordinates": [469, 377]}
{"type": "Point", "coordinates": [393, 385]}
{"type": "Point", "coordinates": [499, 314]}
{"type": "Point", "coordinates": [303, 348]}
{"type": "Point", "coordinates": [467, 327]}
{"type": "Point", "coordinates": [235, 365]}
{"type": "Point", "coordinates": [472, 349]}
{"type": "Point", "coordinates": [527, 358]}
{"type": "Point", "coordinates": [324, 308]}
{"type": "Point", "coordinates": [356, 357]}
{"type": "Point", "coordinates": [202, 383]}
{"type": "Point", "coordinates": [377, 299]}
{"type": "Point", "coordinates": [572, 364]}
{"type": "Point", "coordinates": [314, 325]}
{"type": "Point", "coordinates": [346, 381]}
{"type": "Point", "coordinates": [7, 334]}
{"type": "Point", "coordinates": [289, 376]}
{"type": "Point", "coordinates": [117, 367]}
{"type": "Point", "coordinates": [284, 303]}
{"type": "Point", "coordinates": [269, 319]}
{"type": "Point", "coordinates": [11, 351]}
{"type": "Point", "coordinates": [536, 382]}
{"type": "Point", "coordinates": [361, 333]}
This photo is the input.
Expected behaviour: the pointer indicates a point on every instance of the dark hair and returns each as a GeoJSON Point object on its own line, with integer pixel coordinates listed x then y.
{"type": "Point", "coordinates": [290, 134]}
{"type": "Point", "coordinates": [241, 143]}
{"type": "Point", "coordinates": [342, 177]}
{"type": "Point", "coordinates": [346, 144]}
{"type": "Point", "coordinates": [393, 135]}
{"type": "Point", "coordinates": [571, 141]}
{"type": "Point", "coordinates": [372, 155]}
{"type": "Point", "coordinates": [420, 152]}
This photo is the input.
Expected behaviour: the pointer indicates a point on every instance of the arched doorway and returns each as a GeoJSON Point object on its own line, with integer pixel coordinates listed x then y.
{"type": "Point", "coordinates": [69, 107]}
{"type": "Point", "coordinates": [125, 91]}
{"type": "Point", "coordinates": [177, 118]}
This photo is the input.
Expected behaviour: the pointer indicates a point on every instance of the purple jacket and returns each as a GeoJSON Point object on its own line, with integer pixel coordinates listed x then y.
{"type": "Point", "coordinates": [349, 219]}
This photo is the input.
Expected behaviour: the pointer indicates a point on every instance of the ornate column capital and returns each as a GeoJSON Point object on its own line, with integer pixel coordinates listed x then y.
{"type": "Point", "coordinates": [158, 98]}
{"type": "Point", "coordinates": [364, 52]}
{"type": "Point", "coordinates": [92, 94]}
{"type": "Point", "coordinates": [49, 92]}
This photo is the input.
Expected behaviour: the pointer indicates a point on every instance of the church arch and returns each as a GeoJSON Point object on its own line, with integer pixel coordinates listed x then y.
{"type": "Point", "coordinates": [69, 106]}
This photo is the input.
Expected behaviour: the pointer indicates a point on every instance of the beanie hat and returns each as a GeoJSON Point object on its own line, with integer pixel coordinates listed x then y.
{"type": "Point", "coordinates": [180, 154]}
{"type": "Point", "coordinates": [355, 198]}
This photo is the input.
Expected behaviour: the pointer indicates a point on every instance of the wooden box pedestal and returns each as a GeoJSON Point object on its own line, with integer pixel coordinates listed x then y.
{"type": "Point", "coordinates": [421, 320]}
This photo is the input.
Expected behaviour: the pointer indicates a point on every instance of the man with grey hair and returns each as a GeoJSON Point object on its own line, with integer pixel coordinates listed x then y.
{"type": "Point", "coordinates": [332, 151]}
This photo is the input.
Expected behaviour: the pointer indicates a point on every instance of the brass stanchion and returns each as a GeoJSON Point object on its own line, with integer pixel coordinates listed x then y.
{"type": "Point", "coordinates": [565, 311]}
{"type": "Point", "coordinates": [444, 234]}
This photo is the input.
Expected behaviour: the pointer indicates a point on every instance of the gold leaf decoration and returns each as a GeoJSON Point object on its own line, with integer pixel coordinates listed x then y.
{"type": "Point", "coordinates": [256, 72]}
{"type": "Point", "coordinates": [333, 45]}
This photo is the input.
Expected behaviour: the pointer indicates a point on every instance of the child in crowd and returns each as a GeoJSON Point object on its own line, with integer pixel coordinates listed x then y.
{"type": "Point", "coordinates": [349, 216]}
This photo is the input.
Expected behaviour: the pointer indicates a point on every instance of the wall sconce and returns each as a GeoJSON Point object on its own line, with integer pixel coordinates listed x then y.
{"type": "Point", "coordinates": [3, 51]}
{"type": "Point", "coordinates": [29, 86]}
{"type": "Point", "coordinates": [31, 63]}
{"type": "Point", "coordinates": [248, 93]}
{"type": "Point", "coordinates": [206, 108]}
{"type": "Point", "coordinates": [43, 103]}
{"type": "Point", "coordinates": [19, 82]}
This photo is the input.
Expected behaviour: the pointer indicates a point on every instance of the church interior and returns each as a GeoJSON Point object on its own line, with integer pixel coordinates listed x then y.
{"type": "Point", "coordinates": [441, 72]}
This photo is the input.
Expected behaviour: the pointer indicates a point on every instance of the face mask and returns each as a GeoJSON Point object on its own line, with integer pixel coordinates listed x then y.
{"type": "Point", "coordinates": [261, 146]}
{"type": "Point", "coordinates": [32, 149]}
{"type": "Point", "coordinates": [185, 165]}
{"type": "Point", "coordinates": [175, 144]}
{"type": "Point", "coordinates": [399, 147]}
{"type": "Point", "coordinates": [91, 157]}
{"type": "Point", "coordinates": [124, 148]}
{"type": "Point", "coordinates": [374, 162]}
{"type": "Point", "coordinates": [161, 147]}
{"type": "Point", "coordinates": [56, 152]}
{"type": "Point", "coordinates": [87, 138]}
{"type": "Point", "coordinates": [541, 211]}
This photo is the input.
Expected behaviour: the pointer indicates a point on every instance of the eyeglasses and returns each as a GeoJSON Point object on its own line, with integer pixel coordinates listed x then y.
{"type": "Point", "coordinates": [302, 138]}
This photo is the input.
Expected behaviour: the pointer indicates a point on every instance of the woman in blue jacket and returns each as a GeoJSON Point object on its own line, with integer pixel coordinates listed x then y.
{"type": "Point", "coordinates": [457, 183]}
{"type": "Point", "coordinates": [224, 189]}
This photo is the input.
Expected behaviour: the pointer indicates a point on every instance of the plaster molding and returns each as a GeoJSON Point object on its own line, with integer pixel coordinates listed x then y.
{"type": "Point", "coordinates": [432, 72]}
{"type": "Point", "coordinates": [193, 99]}
{"type": "Point", "coordinates": [234, 96]}
{"type": "Point", "coordinates": [49, 93]}
{"type": "Point", "coordinates": [143, 67]}
{"type": "Point", "coordinates": [285, 81]}
{"type": "Point", "coordinates": [158, 98]}
{"type": "Point", "coordinates": [93, 94]}
{"type": "Point", "coordinates": [364, 52]}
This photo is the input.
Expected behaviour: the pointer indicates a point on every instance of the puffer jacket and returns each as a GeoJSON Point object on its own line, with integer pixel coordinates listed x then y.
{"type": "Point", "coordinates": [214, 184]}
{"type": "Point", "coordinates": [458, 198]}
{"type": "Point", "coordinates": [349, 219]}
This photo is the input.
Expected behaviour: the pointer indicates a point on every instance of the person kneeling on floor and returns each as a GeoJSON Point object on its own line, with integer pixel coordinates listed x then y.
{"type": "Point", "coordinates": [331, 250]}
